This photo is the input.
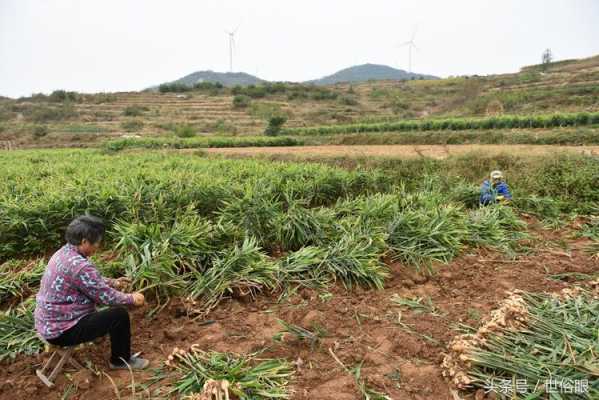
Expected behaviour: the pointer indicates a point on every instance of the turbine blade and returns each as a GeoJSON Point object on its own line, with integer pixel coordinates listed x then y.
{"type": "Point", "coordinates": [414, 33]}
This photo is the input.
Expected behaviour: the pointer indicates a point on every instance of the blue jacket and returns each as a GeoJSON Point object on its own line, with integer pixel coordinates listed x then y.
{"type": "Point", "coordinates": [488, 193]}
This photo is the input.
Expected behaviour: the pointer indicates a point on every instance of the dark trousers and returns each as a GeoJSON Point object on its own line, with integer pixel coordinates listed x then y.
{"type": "Point", "coordinates": [114, 321]}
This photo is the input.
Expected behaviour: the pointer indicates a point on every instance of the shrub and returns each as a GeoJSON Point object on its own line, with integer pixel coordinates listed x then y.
{"type": "Point", "coordinates": [241, 101]}
{"type": "Point", "coordinates": [60, 96]}
{"type": "Point", "coordinates": [324, 94]}
{"type": "Point", "coordinates": [209, 86]}
{"type": "Point", "coordinates": [5, 114]}
{"type": "Point", "coordinates": [173, 87]}
{"type": "Point", "coordinates": [39, 131]}
{"type": "Point", "coordinates": [42, 113]}
{"type": "Point", "coordinates": [275, 125]}
{"type": "Point", "coordinates": [184, 131]}
{"type": "Point", "coordinates": [276, 87]}
{"type": "Point", "coordinates": [297, 95]}
{"type": "Point", "coordinates": [348, 101]}
{"type": "Point", "coordinates": [223, 127]}
{"type": "Point", "coordinates": [399, 105]}
{"type": "Point", "coordinates": [101, 98]}
{"type": "Point", "coordinates": [237, 89]}
{"type": "Point", "coordinates": [255, 92]}
{"type": "Point", "coordinates": [265, 110]}
{"type": "Point", "coordinates": [132, 125]}
{"type": "Point", "coordinates": [134, 111]}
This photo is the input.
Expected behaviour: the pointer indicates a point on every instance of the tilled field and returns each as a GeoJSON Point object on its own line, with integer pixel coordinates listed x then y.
{"type": "Point", "coordinates": [398, 151]}
{"type": "Point", "coordinates": [400, 350]}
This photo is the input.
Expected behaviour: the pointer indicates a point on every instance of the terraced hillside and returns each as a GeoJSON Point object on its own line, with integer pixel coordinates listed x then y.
{"type": "Point", "coordinates": [82, 119]}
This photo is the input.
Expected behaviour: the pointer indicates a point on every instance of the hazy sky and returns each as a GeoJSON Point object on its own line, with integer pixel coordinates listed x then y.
{"type": "Point", "coordinates": [117, 45]}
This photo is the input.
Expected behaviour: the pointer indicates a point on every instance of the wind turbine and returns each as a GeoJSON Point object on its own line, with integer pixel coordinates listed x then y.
{"type": "Point", "coordinates": [231, 46]}
{"type": "Point", "coordinates": [411, 45]}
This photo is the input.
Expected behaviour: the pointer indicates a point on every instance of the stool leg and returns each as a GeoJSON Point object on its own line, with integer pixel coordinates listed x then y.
{"type": "Point", "coordinates": [41, 373]}
{"type": "Point", "coordinates": [65, 357]}
{"type": "Point", "coordinates": [48, 363]}
{"type": "Point", "coordinates": [43, 378]}
{"type": "Point", "coordinates": [75, 363]}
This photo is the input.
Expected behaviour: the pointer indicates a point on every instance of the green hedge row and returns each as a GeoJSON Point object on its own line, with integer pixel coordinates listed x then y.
{"type": "Point", "coordinates": [200, 142]}
{"type": "Point", "coordinates": [572, 136]}
{"type": "Point", "coordinates": [456, 124]}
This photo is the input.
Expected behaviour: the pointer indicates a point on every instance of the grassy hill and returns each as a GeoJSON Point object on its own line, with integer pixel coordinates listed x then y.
{"type": "Point", "coordinates": [228, 79]}
{"type": "Point", "coordinates": [357, 73]}
{"type": "Point", "coordinates": [369, 72]}
{"type": "Point", "coordinates": [74, 119]}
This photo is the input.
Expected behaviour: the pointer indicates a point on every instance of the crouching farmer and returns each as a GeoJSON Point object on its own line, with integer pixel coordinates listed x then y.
{"type": "Point", "coordinates": [495, 190]}
{"type": "Point", "coordinates": [71, 287]}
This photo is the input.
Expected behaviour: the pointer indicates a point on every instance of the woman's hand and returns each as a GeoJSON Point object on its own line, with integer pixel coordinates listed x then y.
{"type": "Point", "coordinates": [138, 299]}
{"type": "Point", "coordinates": [121, 283]}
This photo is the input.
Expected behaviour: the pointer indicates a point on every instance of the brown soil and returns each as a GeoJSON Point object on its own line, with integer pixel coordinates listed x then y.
{"type": "Point", "coordinates": [362, 326]}
{"type": "Point", "coordinates": [432, 151]}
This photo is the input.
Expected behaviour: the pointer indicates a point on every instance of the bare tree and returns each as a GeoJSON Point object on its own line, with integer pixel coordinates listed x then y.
{"type": "Point", "coordinates": [547, 58]}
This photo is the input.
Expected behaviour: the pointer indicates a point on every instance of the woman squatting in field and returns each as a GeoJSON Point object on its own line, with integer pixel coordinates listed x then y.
{"type": "Point", "coordinates": [71, 287]}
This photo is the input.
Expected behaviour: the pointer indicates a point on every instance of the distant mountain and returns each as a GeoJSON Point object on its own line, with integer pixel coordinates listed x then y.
{"type": "Point", "coordinates": [226, 78]}
{"type": "Point", "coordinates": [358, 73]}
{"type": "Point", "coordinates": [369, 72]}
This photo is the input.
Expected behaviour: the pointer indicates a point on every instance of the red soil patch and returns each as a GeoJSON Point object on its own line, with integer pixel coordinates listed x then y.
{"type": "Point", "coordinates": [401, 360]}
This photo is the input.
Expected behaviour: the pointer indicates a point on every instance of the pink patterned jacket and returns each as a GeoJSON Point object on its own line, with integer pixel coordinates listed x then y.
{"type": "Point", "coordinates": [70, 289]}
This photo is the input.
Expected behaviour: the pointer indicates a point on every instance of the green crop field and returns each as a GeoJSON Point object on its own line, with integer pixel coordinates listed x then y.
{"type": "Point", "coordinates": [202, 230]}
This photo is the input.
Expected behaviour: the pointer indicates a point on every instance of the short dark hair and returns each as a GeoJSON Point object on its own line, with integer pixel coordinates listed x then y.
{"type": "Point", "coordinates": [85, 227]}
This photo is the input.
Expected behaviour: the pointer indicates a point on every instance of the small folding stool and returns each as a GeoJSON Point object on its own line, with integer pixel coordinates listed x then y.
{"type": "Point", "coordinates": [62, 356]}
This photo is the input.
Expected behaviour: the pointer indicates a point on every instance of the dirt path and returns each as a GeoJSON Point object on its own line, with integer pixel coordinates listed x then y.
{"type": "Point", "coordinates": [433, 151]}
{"type": "Point", "coordinates": [401, 351]}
